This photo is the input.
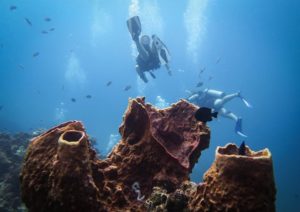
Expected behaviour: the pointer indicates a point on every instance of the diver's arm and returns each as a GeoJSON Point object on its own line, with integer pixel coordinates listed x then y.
{"type": "Point", "coordinates": [193, 98]}
{"type": "Point", "coordinates": [168, 69]}
{"type": "Point", "coordinates": [142, 51]}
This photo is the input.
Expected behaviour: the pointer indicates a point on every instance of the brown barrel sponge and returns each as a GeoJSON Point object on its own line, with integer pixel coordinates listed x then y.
{"type": "Point", "coordinates": [237, 182]}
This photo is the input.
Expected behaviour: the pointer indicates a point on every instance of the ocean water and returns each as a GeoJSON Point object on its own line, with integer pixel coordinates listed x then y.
{"type": "Point", "coordinates": [247, 46]}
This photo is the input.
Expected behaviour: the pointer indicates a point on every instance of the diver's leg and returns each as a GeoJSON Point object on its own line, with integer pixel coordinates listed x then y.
{"type": "Point", "coordinates": [229, 97]}
{"type": "Point", "coordinates": [228, 114]}
{"type": "Point", "coordinates": [142, 51]}
{"type": "Point", "coordinates": [141, 74]}
{"type": "Point", "coordinates": [219, 103]}
{"type": "Point", "coordinates": [134, 27]}
{"type": "Point", "coordinates": [238, 121]}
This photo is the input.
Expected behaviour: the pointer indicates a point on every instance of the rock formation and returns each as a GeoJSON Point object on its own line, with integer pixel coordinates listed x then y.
{"type": "Point", "coordinates": [61, 171]}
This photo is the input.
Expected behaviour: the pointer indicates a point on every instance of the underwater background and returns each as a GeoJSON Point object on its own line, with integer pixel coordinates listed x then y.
{"type": "Point", "coordinates": [71, 60]}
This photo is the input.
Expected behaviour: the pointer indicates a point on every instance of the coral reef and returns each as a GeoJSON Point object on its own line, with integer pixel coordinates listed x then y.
{"type": "Point", "coordinates": [12, 150]}
{"type": "Point", "coordinates": [148, 170]}
{"type": "Point", "coordinates": [161, 200]}
{"type": "Point", "coordinates": [233, 183]}
{"type": "Point", "coordinates": [61, 171]}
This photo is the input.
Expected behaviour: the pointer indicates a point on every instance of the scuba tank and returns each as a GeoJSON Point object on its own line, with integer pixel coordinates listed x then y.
{"type": "Point", "coordinates": [161, 49]}
{"type": "Point", "coordinates": [214, 93]}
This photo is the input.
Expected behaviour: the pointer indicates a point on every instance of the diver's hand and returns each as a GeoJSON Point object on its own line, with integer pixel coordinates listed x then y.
{"type": "Point", "coordinates": [168, 69]}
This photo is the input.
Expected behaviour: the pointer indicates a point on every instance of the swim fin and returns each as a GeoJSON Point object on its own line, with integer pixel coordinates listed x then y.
{"type": "Point", "coordinates": [238, 128]}
{"type": "Point", "coordinates": [134, 27]}
{"type": "Point", "coordinates": [246, 102]}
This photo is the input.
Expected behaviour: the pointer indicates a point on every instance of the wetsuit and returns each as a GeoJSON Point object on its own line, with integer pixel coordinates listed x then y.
{"type": "Point", "coordinates": [151, 63]}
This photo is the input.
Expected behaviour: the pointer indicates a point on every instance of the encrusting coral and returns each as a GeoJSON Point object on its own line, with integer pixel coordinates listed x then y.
{"type": "Point", "coordinates": [148, 170]}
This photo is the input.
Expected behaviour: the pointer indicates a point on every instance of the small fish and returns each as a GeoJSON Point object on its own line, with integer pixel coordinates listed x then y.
{"type": "Point", "coordinates": [127, 88]}
{"type": "Point", "coordinates": [242, 149]}
{"type": "Point", "coordinates": [12, 7]}
{"type": "Point", "coordinates": [204, 114]}
{"type": "Point", "coordinates": [1, 45]}
{"type": "Point", "coordinates": [28, 21]}
{"type": "Point", "coordinates": [47, 19]}
{"type": "Point", "coordinates": [63, 87]}
{"type": "Point", "coordinates": [35, 54]}
{"type": "Point", "coordinates": [108, 83]}
{"type": "Point", "coordinates": [202, 70]}
{"type": "Point", "coordinates": [210, 78]}
{"type": "Point", "coordinates": [88, 96]}
{"type": "Point", "coordinates": [21, 66]}
{"type": "Point", "coordinates": [73, 99]}
{"type": "Point", "coordinates": [52, 29]}
{"type": "Point", "coordinates": [199, 84]}
{"type": "Point", "coordinates": [44, 32]}
{"type": "Point", "coordinates": [218, 60]}
{"type": "Point", "coordinates": [1, 107]}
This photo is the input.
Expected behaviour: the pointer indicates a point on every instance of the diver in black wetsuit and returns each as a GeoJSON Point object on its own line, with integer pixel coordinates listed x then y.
{"type": "Point", "coordinates": [151, 56]}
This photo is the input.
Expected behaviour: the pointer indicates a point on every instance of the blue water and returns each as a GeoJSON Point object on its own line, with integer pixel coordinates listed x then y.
{"type": "Point", "coordinates": [248, 46]}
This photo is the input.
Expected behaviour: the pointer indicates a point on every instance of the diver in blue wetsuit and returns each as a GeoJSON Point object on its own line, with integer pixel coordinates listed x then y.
{"type": "Point", "coordinates": [151, 55]}
{"type": "Point", "coordinates": [216, 100]}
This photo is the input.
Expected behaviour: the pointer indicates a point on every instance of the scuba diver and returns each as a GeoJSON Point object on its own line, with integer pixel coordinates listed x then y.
{"type": "Point", "coordinates": [151, 55]}
{"type": "Point", "coordinates": [216, 100]}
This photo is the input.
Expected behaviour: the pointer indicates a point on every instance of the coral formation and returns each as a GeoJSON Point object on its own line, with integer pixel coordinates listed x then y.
{"type": "Point", "coordinates": [148, 170]}
{"type": "Point", "coordinates": [233, 183]}
{"type": "Point", "coordinates": [161, 200]}
{"type": "Point", "coordinates": [237, 182]}
{"type": "Point", "coordinates": [12, 149]}
{"type": "Point", "coordinates": [61, 171]}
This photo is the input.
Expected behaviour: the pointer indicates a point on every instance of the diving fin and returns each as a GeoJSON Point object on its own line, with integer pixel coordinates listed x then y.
{"type": "Point", "coordinates": [246, 102]}
{"type": "Point", "coordinates": [241, 134]}
{"type": "Point", "coordinates": [238, 128]}
{"type": "Point", "coordinates": [134, 27]}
